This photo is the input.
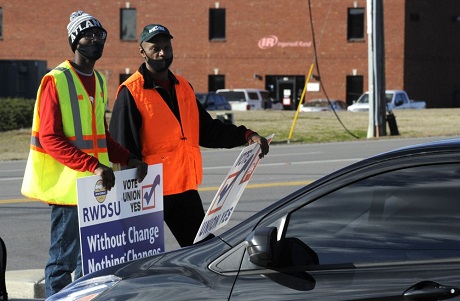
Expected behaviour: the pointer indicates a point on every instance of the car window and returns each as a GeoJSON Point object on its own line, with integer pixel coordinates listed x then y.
{"type": "Point", "coordinates": [316, 104]}
{"type": "Point", "coordinates": [404, 97]}
{"type": "Point", "coordinates": [403, 215]}
{"type": "Point", "coordinates": [253, 95]}
{"type": "Point", "coordinates": [340, 105]}
{"type": "Point", "coordinates": [364, 98]}
{"type": "Point", "coordinates": [233, 96]}
{"type": "Point", "coordinates": [265, 95]}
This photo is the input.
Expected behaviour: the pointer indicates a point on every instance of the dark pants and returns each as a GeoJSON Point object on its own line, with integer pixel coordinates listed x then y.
{"type": "Point", "coordinates": [183, 213]}
{"type": "Point", "coordinates": [64, 252]}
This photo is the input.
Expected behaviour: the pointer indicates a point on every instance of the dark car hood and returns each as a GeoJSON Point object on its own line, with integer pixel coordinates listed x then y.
{"type": "Point", "coordinates": [178, 260]}
{"type": "Point", "coordinates": [174, 275]}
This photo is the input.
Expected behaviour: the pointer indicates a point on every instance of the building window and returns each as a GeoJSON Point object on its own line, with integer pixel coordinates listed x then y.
{"type": "Point", "coordinates": [216, 24]}
{"type": "Point", "coordinates": [216, 82]}
{"type": "Point", "coordinates": [355, 24]}
{"type": "Point", "coordinates": [1, 23]}
{"type": "Point", "coordinates": [128, 24]}
{"type": "Point", "coordinates": [354, 88]}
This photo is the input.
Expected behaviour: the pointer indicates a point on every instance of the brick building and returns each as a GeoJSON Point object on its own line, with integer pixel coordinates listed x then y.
{"type": "Point", "coordinates": [248, 44]}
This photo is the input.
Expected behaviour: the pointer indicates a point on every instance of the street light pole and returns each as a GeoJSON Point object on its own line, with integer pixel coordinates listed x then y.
{"type": "Point", "coordinates": [376, 61]}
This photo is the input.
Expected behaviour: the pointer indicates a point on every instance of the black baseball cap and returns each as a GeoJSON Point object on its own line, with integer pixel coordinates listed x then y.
{"type": "Point", "coordinates": [153, 30]}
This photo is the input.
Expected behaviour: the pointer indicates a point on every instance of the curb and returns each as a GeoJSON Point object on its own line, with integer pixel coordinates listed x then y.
{"type": "Point", "coordinates": [25, 284]}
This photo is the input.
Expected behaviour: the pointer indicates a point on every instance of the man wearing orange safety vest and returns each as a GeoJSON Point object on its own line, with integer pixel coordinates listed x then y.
{"type": "Point", "coordinates": [157, 117]}
{"type": "Point", "coordinates": [70, 140]}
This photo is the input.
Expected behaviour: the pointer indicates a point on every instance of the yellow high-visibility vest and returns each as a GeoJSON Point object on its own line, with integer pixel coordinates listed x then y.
{"type": "Point", "coordinates": [45, 178]}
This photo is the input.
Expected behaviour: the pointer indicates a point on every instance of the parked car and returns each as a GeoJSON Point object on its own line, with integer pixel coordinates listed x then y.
{"type": "Point", "coordinates": [247, 99]}
{"type": "Point", "coordinates": [320, 105]}
{"type": "Point", "coordinates": [385, 228]}
{"type": "Point", "coordinates": [213, 102]}
{"type": "Point", "coordinates": [395, 99]}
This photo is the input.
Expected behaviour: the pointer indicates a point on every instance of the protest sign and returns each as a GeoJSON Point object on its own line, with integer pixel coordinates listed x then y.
{"type": "Point", "coordinates": [230, 191]}
{"type": "Point", "coordinates": [122, 224]}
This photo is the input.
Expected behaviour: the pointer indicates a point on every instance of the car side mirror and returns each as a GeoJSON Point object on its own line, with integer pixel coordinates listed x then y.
{"type": "Point", "coordinates": [261, 247]}
{"type": "Point", "coordinates": [398, 102]}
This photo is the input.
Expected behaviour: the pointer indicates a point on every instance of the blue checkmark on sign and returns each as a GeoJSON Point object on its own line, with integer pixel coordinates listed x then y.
{"type": "Point", "coordinates": [148, 194]}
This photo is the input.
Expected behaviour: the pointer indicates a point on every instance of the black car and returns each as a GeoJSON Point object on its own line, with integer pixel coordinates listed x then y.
{"type": "Point", "coordinates": [213, 102]}
{"type": "Point", "coordinates": [385, 228]}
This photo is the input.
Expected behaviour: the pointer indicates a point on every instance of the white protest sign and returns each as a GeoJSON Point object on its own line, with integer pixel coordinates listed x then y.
{"type": "Point", "coordinates": [230, 191]}
{"type": "Point", "coordinates": [122, 224]}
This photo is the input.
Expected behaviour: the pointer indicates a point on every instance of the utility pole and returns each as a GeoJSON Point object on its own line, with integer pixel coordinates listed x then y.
{"type": "Point", "coordinates": [376, 61]}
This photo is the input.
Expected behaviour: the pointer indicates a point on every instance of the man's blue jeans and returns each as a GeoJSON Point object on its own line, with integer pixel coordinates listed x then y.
{"type": "Point", "coordinates": [64, 252]}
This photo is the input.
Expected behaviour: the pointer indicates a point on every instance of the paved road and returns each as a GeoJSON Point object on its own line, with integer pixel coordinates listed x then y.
{"type": "Point", "coordinates": [24, 224]}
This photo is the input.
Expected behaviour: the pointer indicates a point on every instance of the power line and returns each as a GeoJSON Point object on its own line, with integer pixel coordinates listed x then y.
{"type": "Point", "coordinates": [319, 74]}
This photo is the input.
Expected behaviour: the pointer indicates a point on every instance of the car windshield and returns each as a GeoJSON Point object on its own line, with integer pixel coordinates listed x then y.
{"type": "Point", "coordinates": [316, 104]}
{"type": "Point", "coordinates": [233, 95]}
{"type": "Point", "coordinates": [365, 98]}
{"type": "Point", "coordinates": [389, 96]}
{"type": "Point", "coordinates": [220, 100]}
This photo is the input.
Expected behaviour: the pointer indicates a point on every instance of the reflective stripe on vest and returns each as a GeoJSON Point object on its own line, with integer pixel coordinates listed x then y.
{"type": "Point", "coordinates": [45, 178]}
{"type": "Point", "coordinates": [78, 140]}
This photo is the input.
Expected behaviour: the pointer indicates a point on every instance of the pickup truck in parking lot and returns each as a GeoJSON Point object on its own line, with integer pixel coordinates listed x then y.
{"type": "Point", "coordinates": [396, 99]}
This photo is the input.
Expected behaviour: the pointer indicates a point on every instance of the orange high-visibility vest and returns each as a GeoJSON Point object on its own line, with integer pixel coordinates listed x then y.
{"type": "Point", "coordinates": [45, 178]}
{"type": "Point", "coordinates": [163, 138]}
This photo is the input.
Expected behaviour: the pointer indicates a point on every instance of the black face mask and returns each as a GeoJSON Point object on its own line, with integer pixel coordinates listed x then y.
{"type": "Point", "coordinates": [92, 51]}
{"type": "Point", "coordinates": [159, 65]}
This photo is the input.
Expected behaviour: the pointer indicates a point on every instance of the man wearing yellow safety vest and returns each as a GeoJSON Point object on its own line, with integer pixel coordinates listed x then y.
{"type": "Point", "coordinates": [70, 140]}
{"type": "Point", "coordinates": [157, 117]}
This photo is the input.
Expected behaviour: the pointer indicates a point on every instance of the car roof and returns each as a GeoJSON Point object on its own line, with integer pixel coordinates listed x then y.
{"type": "Point", "coordinates": [407, 152]}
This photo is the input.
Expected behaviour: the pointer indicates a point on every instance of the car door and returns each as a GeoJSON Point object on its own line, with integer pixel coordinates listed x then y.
{"type": "Point", "coordinates": [254, 100]}
{"type": "Point", "coordinates": [393, 235]}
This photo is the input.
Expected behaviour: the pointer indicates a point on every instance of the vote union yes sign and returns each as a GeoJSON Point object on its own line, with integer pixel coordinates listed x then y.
{"type": "Point", "coordinates": [123, 224]}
